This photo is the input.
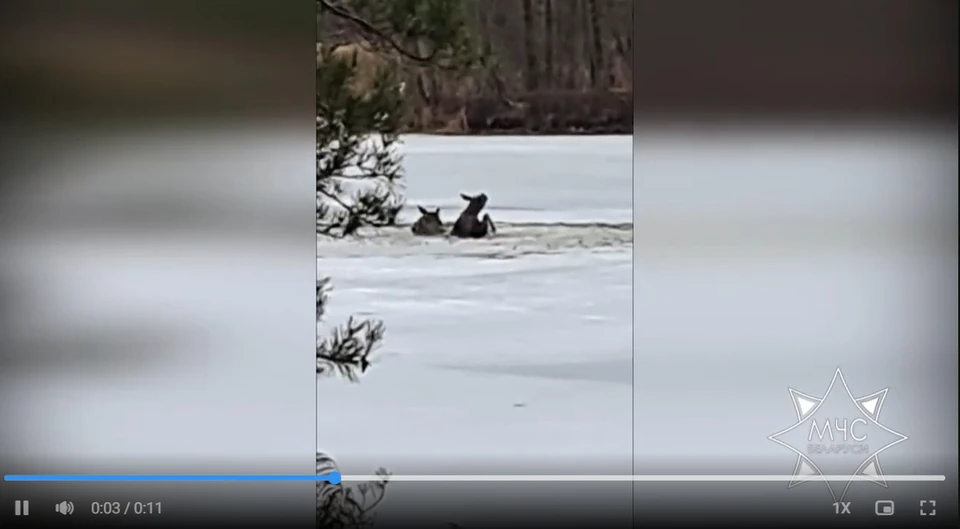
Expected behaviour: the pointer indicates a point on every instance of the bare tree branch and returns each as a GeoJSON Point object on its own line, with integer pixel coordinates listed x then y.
{"type": "Point", "coordinates": [372, 31]}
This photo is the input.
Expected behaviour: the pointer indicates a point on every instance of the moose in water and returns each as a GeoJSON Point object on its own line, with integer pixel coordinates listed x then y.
{"type": "Point", "coordinates": [469, 225]}
{"type": "Point", "coordinates": [429, 223]}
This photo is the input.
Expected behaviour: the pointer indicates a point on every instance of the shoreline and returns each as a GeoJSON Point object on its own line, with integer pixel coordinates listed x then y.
{"type": "Point", "coordinates": [519, 132]}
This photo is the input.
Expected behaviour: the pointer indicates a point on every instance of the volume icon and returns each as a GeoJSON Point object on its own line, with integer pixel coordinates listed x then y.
{"type": "Point", "coordinates": [64, 507]}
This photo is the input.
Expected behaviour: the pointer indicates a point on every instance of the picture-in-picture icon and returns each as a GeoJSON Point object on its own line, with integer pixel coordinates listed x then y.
{"type": "Point", "coordinates": [883, 508]}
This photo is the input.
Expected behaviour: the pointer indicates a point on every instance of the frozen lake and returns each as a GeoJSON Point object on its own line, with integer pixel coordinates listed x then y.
{"type": "Point", "coordinates": [505, 355]}
{"type": "Point", "coordinates": [497, 349]}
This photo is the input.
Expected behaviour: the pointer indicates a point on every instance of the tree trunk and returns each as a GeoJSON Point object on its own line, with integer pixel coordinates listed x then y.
{"type": "Point", "coordinates": [590, 61]}
{"type": "Point", "coordinates": [570, 60]}
{"type": "Point", "coordinates": [529, 46]}
{"type": "Point", "coordinates": [548, 51]}
{"type": "Point", "coordinates": [580, 36]}
{"type": "Point", "coordinates": [599, 71]}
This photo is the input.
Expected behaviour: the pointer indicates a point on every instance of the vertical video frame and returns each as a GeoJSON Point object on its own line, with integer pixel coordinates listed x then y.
{"type": "Point", "coordinates": [474, 259]}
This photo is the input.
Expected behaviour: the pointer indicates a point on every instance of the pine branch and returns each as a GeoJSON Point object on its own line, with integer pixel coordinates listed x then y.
{"type": "Point", "coordinates": [342, 506]}
{"type": "Point", "coordinates": [347, 351]}
{"type": "Point", "coordinates": [357, 179]}
{"type": "Point", "coordinates": [323, 293]}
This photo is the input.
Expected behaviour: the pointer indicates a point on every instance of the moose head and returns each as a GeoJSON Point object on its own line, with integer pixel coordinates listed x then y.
{"type": "Point", "coordinates": [429, 222]}
{"type": "Point", "coordinates": [475, 204]}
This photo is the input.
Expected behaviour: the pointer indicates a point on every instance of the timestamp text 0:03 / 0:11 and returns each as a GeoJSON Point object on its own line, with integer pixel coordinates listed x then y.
{"type": "Point", "coordinates": [113, 508]}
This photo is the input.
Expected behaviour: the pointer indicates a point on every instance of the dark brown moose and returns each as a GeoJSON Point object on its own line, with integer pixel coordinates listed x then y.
{"type": "Point", "coordinates": [470, 225]}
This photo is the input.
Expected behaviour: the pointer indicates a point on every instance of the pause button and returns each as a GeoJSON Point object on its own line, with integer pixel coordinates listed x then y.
{"type": "Point", "coordinates": [21, 508]}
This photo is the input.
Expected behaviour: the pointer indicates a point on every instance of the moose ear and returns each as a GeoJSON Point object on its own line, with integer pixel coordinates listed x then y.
{"type": "Point", "coordinates": [422, 211]}
{"type": "Point", "coordinates": [466, 197]}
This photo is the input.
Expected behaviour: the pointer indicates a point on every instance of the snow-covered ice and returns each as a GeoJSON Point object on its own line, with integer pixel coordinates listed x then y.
{"type": "Point", "coordinates": [498, 351]}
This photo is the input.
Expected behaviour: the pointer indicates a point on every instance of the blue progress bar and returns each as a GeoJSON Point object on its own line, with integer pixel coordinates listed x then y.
{"type": "Point", "coordinates": [332, 478]}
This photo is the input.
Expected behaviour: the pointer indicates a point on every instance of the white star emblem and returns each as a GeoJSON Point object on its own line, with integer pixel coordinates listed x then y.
{"type": "Point", "coordinates": [814, 416]}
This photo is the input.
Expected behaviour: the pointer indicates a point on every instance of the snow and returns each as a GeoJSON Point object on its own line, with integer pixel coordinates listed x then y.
{"type": "Point", "coordinates": [496, 349]}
